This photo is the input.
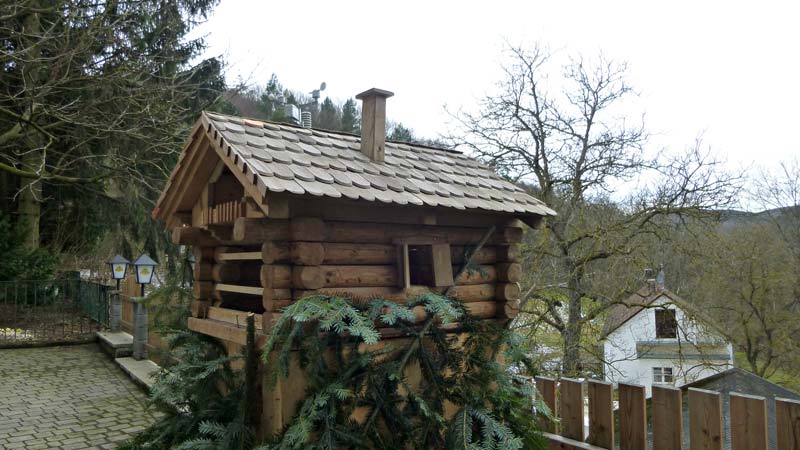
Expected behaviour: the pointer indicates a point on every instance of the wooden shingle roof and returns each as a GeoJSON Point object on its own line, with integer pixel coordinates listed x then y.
{"type": "Point", "coordinates": [280, 158]}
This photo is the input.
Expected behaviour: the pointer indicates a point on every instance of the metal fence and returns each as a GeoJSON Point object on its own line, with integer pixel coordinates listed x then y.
{"type": "Point", "coordinates": [41, 311]}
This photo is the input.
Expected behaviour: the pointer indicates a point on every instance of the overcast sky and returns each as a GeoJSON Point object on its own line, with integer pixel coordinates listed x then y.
{"type": "Point", "coordinates": [729, 70]}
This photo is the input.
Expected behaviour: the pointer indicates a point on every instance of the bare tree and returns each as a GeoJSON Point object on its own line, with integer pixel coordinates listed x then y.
{"type": "Point", "coordinates": [563, 130]}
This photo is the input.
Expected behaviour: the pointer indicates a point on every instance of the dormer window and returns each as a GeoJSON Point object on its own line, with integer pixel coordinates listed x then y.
{"type": "Point", "coordinates": [666, 324]}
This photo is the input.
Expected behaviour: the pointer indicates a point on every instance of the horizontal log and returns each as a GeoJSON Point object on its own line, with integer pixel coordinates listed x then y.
{"type": "Point", "coordinates": [224, 331]}
{"type": "Point", "coordinates": [222, 250]}
{"type": "Point", "coordinates": [476, 275]}
{"type": "Point", "coordinates": [275, 299]}
{"type": "Point", "coordinates": [509, 272]}
{"type": "Point", "coordinates": [507, 291]}
{"type": "Point", "coordinates": [193, 236]}
{"type": "Point", "coordinates": [239, 289]}
{"type": "Point", "coordinates": [307, 253]}
{"type": "Point", "coordinates": [344, 253]}
{"type": "Point", "coordinates": [343, 276]}
{"type": "Point", "coordinates": [508, 253]}
{"type": "Point", "coordinates": [315, 230]}
{"type": "Point", "coordinates": [226, 273]}
{"type": "Point", "coordinates": [473, 293]}
{"type": "Point", "coordinates": [363, 293]}
{"type": "Point", "coordinates": [260, 230]}
{"type": "Point", "coordinates": [466, 294]}
{"type": "Point", "coordinates": [508, 310]}
{"type": "Point", "coordinates": [307, 277]}
{"type": "Point", "coordinates": [232, 316]}
{"type": "Point", "coordinates": [276, 276]}
{"type": "Point", "coordinates": [273, 252]}
{"type": "Point", "coordinates": [202, 271]}
{"type": "Point", "coordinates": [240, 256]}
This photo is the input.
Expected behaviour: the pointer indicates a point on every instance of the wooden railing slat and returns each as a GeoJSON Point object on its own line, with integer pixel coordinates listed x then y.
{"type": "Point", "coordinates": [571, 408]}
{"type": "Point", "coordinates": [632, 417]}
{"type": "Point", "coordinates": [601, 414]}
{"type": "Point", "coordinates": [547, 390]}
{"type": "Point", "coordinates": [748, 422]}
{"type": "Point", "coordinates": [787, 418]}
{"type": "Point", "coordinates": [705, 420]}
{"type": "Point", "coordinates": [667, 418]}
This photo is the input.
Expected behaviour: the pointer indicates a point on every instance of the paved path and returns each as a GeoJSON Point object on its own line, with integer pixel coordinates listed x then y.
{"type": "Point", "coordinates": [66, 398]}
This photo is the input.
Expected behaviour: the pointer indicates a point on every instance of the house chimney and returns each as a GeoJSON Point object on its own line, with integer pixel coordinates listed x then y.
{"type": "Point", "coordinates": [373, 122]}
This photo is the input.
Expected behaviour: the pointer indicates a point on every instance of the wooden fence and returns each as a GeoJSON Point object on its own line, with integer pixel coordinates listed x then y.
{"type": "Point", "coordinates": [627, 427]}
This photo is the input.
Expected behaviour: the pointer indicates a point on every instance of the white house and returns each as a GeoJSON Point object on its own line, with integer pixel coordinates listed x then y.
{"type": "Point", "coordinates": [657, 338]}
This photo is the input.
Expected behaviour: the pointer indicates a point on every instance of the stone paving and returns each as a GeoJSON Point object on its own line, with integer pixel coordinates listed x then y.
{"type": "Point", "coordinates": [67, 398]}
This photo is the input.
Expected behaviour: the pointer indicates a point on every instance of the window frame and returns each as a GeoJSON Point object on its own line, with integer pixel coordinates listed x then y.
{"type": "Point", "coordinates": [660, 375]}
{"type": "Point", "coordinates": [660, 324]}
{"type": "Point", "coordinates": [441, 261]}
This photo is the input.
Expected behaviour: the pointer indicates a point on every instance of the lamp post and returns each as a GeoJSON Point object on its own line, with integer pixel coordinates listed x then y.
{"type": "Point", "coordinates": [118, 266]}
{"type": "Point", "coordinates": [144, 270]}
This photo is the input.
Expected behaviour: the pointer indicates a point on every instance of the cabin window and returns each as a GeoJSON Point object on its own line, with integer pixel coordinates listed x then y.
{"type": "Point", "coordinates": [424, 265]}
{"type": "Point", "coordinates": [666, 324]}
{"type": "Point", "coordinates": [663, 375]}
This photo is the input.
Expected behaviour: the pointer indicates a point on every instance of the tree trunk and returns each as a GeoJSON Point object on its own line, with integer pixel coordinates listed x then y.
{"type": "Point", "coordinates": [29, 207]}
{"type": "Point", "coordinates": [573, 330]}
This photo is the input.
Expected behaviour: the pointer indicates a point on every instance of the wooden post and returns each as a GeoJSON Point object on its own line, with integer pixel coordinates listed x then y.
{"type": "Point", "coordinates": [632, 417]}
{"type": "Point", "coordinates": [705, 420]}
{"type": "Point", "coordinates": [667, 418]}
{"type": "Point", "coordinates": [572, 408]}
{"type": "Point", "coordinates": [601, 414]}
{"type": "Point", "coordinates": [547, 391]}
{"type": "Point", "coordinates": [787, 418]}
{"type": "Point", "coordinates": [748, 422]}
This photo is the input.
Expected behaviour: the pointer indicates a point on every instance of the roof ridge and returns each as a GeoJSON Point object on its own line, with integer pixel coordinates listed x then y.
{"type": "Point", "coordinates": [338, 132]}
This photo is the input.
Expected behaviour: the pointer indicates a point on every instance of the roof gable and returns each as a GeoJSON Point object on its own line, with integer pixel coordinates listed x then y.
{"type": "Point", "coordinates": [638, 301]}
{"type": "Point", "coordinates": [279, 158]}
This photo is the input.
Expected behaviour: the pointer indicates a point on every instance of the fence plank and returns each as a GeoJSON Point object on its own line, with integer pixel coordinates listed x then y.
{"type": "Point", "coordinates": [632, 417]}
{"type": "Point", "coordinates": [705, 420]}
{"type": "Point", "coordinates": [787, 414]}
{"type": "Point", "coordinates": [667, 418]}
{"type": "Point", "coordinates": [748, 422]}
{"type": "Point", "coordinates": [547, 389]}
{"type": "Point", "coordinates": [601, 414]}
{"type": "Point", "coordinates": [572, 408]}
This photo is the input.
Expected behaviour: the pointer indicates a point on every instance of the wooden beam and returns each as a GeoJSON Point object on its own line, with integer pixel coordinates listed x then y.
{"type": "Point", "coordinates": [193, 236]}
{"type": "Point", "coordinates": [547, 391]}
{"type": "Point", "coordinates": [232, 316]}
{"type": "Point", "coordinates": [572, 413]}
{"type": "Point", "coordinates": [601, 413]}
{"type": "Point", "coordinates": [705, 420]}
{"type": "Point", "coordinates": [787, 417]}
{"type": "Point", "coordinates": [748, 422]}
{"type": "Point", "coordinates": [632, 417]}
{"type": "Point", "coordinates": [260, 230]}
{"type": "Point", "coordinates": [667, 418]}
{"type": "Point", "coordinates": [249, 290]}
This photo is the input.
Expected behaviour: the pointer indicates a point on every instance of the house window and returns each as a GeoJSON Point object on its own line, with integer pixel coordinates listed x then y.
{"type": "Point", "coordinates": [663, 375]}
{"type": "Point", "coordinates": [666, 324]}
{"type": "Point", "coordinates": [424, 265]}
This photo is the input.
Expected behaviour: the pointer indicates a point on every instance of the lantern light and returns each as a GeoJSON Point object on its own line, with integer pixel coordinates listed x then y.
{"type": "Point", "coordinates": [144, 269]}
{"type": "Point", "coordinates": [118, 266]}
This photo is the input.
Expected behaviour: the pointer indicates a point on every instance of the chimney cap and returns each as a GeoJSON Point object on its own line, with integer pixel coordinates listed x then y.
{"type": "Point", "coordinates": [374, 92]}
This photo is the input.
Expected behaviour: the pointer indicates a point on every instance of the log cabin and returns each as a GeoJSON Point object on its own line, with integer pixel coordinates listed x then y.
{"type": "Point", "coordinates": [275, 212]}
